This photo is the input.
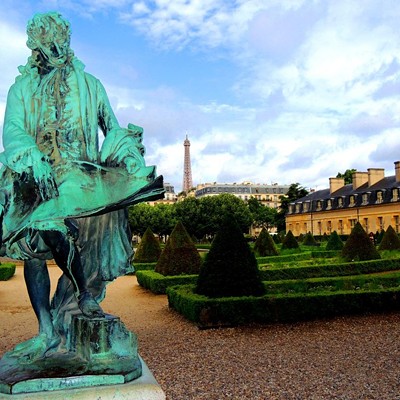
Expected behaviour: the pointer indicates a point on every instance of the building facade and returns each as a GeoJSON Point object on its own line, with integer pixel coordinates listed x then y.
{"type": "Point", "coordinates": [170, 196]}
{"type": "Point", "coordinates": [268, 195]}
{"type": "Point", "coordinates": [372, 199]}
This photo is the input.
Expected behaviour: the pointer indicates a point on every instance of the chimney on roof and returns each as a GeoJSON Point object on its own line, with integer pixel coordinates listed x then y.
{"type": "Point", "coordinates": [397, 170]}
{"type": "Point", "coordinates": [335, 184]}
{"type": "Point", "coordinates": [359, 178]}
{"type": "Point", "coordinates": [375, 175]}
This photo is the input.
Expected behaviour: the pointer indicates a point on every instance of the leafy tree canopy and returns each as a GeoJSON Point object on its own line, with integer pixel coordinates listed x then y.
{"type": "Point", "coordinates": [347, 175]}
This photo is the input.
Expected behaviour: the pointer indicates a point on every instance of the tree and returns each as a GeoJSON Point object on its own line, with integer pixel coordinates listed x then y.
{"type": "Point", "coordinates": [265, 245]}
{"type": "Point", "coordinates": [358, 246]}
{"type": "Point", "coordinates": [230, 268]}
{"type": "Point", "coordinates": [289, 242]}
{"type": "Point", "coordinates": [263, 216]}
{"type": "Point", "coordinates": [189, 213]}
{"type": "Point", "coordinates": [309, 240]}
{"type": "Point", "coordinates": [214, 209]}
{"type": "Point", "coordinates": [180, 255]}
{"type": "Point", "coordinates": [149, 248]}
{"type": "Point", "coordinates": [140, 218]}
{"type": "Point", "coordinates": [334, 242]}
{"type": "Point", "coordinates": [295, 192]}
{"type": "Point", "coordinates": [390, 240]}
{"type": "Point", "coordinates": [347, 175]}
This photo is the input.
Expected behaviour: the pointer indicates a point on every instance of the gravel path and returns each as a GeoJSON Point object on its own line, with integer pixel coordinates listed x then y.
{"type": "Point", "coordinates": [344, 358]}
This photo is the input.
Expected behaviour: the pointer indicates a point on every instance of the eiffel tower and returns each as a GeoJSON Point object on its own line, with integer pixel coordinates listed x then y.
{"type": "Point", "coordinates": [187, 169]}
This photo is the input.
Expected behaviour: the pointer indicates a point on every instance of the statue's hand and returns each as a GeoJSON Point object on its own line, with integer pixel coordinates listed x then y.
{"type": "Point", "coordinates": [44, 178]}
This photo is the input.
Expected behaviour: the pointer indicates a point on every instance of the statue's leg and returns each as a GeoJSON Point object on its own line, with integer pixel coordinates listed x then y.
{"type": "Point", "coordinates": [38, 285]}
{"type": "Point", "coordinates": [62, 251]}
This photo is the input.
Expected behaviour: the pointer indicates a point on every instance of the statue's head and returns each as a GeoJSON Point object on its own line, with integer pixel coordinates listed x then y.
{"type": "Point", "coordinates": [49, 35]}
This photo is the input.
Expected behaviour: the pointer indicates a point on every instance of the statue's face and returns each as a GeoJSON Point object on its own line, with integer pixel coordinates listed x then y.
{"type": "Point", "coordinates": [54, 46]}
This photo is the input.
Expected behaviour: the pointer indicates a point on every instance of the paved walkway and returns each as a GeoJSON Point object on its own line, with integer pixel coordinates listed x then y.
{"type": "Point", "coordinates": [344, 358]}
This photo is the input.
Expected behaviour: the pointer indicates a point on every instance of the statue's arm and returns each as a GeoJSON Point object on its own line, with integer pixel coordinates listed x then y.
{"type": "Point", "coordinates": [21, 153]}
{"type": "Point", "coordinates": [121, 146]}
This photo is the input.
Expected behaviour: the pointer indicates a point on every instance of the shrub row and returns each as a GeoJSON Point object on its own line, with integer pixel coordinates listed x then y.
{"type": "Point", "coordinates": [158, 283]}
{"type": "Point", "coordinates": [354, 282]}
{"type": "Point", "coordinates": [7, 270]}
{"type": "Point", "coordinates": [342, 269]}
{"type": "Point", "coordinates": [208, 312]}
{"type": "Point", "coordinates": [285, 258]}
{"type": "Point", "coordinates": [144, 266]}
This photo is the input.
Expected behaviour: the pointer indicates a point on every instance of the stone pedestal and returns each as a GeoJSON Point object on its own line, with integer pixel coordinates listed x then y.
{"type": "Point", "coordinates": [143, 388]}
{"type": "Point", "coordinates": [99, 351]}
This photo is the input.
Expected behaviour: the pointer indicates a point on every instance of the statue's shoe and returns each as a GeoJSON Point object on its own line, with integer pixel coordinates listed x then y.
{"type": "Point", "coordinates": [89, 306]}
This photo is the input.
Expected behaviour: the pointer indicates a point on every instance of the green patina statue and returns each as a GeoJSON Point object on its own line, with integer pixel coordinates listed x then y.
{"type": "Point", "coordinates": [64, 198]}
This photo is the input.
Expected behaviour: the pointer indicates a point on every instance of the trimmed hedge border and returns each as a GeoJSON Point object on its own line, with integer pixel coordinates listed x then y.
{"type": "Point", "coordinates": [7, 270]}
{"type": "Point", "coordinates": [351, 268]}
{"type": "Point", "coordinates": [158, 283]}
{"type": "Point", "coordinates": [144, 266]}
{"type": "Point", "coordinates": [285, 258]}
{"type": "Point", "coordinates": [208, 313]}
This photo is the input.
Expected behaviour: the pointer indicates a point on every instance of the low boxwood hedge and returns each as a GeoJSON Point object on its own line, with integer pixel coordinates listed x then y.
{"type": "Point", "coordinates": [285, 258]}
{"type": "Point", "coordinates": [158, 283]}
{"type": "Point", "coordinates": [207, 312]}
{"type": "Point", "coordinates": [277, 273]}
{"type": "Point", "coordinates": [144, 266]}
{"type": "Point", "coordinates": [7, 270]}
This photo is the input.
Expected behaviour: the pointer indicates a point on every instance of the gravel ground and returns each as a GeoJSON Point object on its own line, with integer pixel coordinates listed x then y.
{"type": "Point", "coordinates": [345, 358]}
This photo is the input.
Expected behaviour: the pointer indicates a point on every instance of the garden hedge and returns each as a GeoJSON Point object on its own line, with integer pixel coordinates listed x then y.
{"type": "Point", "coordinates": [144, 266]}
{"type": "Point", "coordinates": [158, 283]}
{"type": "Point", "coordinates": [277, 273]}
{"type": "Point", "coordinates": [214, 312]}
{"type": "Point", "coordinates": [7, 270]}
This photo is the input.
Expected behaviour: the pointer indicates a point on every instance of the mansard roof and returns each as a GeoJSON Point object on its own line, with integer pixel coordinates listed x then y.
{"type": "Point", "coordinates": [323, 200]}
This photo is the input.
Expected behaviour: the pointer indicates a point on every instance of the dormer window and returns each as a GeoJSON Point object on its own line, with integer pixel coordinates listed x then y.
{"type": "Point", "coordinates": [395, 194]}
{"type": "Point", "coordinates": [379, 197]}
{"type": "Point", "coordinates": [329, 204]}
{"type": "Point", "coordinates": [352, 201]}
{"type": "Point", "coordinates": [340, 202]}
{"type": "Point", "coordinates": [319, 205]}
{"type": "Point", "coordinates": [305, 207]}
{"type": "Point", "coordinates": [298, 207]}
{"type": "Point", "coordinates": [365, 198]}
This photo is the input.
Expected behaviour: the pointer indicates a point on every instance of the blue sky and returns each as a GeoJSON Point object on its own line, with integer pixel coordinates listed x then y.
{"type": "Point", "coordinates": [267, 90]}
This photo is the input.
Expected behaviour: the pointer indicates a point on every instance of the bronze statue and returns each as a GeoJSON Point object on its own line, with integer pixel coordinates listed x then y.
{"type": "Point", "coordinates": [62, 197]}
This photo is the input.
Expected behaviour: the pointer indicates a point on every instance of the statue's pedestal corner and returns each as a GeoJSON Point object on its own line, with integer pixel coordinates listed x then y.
{"type": "Point", "coordinates": [103, 387]}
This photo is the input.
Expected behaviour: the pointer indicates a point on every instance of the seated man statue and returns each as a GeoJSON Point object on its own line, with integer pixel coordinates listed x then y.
{"type": "Point", "coordinates": [62, 198]}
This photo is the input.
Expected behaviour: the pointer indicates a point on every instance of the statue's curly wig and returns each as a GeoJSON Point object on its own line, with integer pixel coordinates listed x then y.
{"type": "Point", "coordinates": [42, 24]}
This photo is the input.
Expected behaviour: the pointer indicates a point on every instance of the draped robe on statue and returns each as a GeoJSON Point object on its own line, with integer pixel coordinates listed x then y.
{"type": "Point", "coordinates": [56, 118]}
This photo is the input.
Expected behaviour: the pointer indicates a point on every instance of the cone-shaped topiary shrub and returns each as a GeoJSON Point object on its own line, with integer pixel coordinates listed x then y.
{"type": "Point", "coordinates": [359, 247]}
{"type": "Point", "coordinates": [289, 242]}
{"type": "Point", "coordinates": [379, 236]}
{"type": "Point", "coordinates": [309, 240]}
{"type": "Point", "coordinates": [230, 268]}
{"type": "Point", "coordinates": [180, 255]}
{"type": "Point", "coordinates": [334, 242]}
{"type": "Point", "coordinates": [265, 245]}
{"type": "Point", "coordinates": [149, 248]}
{"type": "Point", "coordinates": [390, 240]}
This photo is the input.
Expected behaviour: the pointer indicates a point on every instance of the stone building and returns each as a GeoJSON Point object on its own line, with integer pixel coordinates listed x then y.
{"type": "Point", "coordinates": [372, 199]}
{"type": "Point", "coordinates": [268, 195]}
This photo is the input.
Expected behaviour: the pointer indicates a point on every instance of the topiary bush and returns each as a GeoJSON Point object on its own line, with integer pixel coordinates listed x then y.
{"type": "Point", "coordinates": [289, 242]}
{"type": "Point", "coordinates": [7, 270]}
{"type": "Point", "coordinates": [390, 240]}
{"type": "Point", "coordinates": [359, 247]}
{"type": "Point", "coordinates": [265, 245]}
{"type": "Point", "coordinates": [230, 268]}
{"type": "Point", "coordinates": [309, 240]}
{"type": "Point", "coordinates": [180, 255]}
{"type": "Point", "coordinates": [149, 249]}
{"type": "Point", "coordinates": [334, 242]}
